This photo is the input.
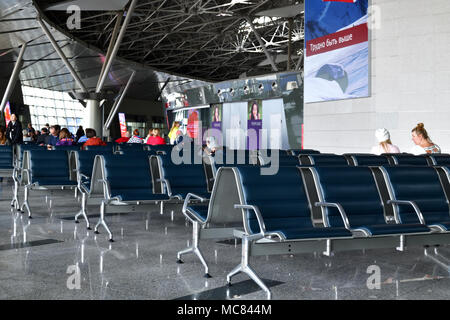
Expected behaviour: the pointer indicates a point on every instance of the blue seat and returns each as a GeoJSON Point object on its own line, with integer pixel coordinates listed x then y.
{"type": "Point", "coordinates": [297, 152]}
{"type": "Point", "coordinates": [129, 178]}
{"type": "Point", "coordinates": [440, 159]}
{"type": "Point", "coordinates": [85, 163]}
{"type": "Point", "coordinates": [164, 148]}
{"type": "Point", "coordinates": [6, 157]}
{"type": "Point", "coordinates": [421, 185]}
{"type": "Point", "coordinates": [67, 148]}
{"type": "Point", "coordinates": [323, 160]}
{"type": "Point", "coordinates": [100, 148]}
{"type": "Point", "coordinates": [183, 178]}
{"type": "Point", "coordinates": [369, 160]}
{"type": "Point", "coordinates": [49, 168]}
{"type": "Point", "coordinates": [45, 170]}
{"type": "Point", "coordinates": [355, 189]}
{"type": "Point", "coordinates": [409, 160]}
{"type": "Point", "coordinates": [284, 159]}
{"type": "Point", "coordinates": [284, 205]}
{"type": "Point", "coordinates": [132, 146]}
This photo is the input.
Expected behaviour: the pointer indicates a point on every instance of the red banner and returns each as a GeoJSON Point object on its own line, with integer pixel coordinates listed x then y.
{"type": "Point", "coordinates": [337, 40]}
{"type": "Point", "coordinates": [123, 124]}
{"type": "Point", "coordinates": [7, 113]}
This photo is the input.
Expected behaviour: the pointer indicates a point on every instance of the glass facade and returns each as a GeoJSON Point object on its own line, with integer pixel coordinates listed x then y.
{"type": "Point", "coordinates": [52, 107]}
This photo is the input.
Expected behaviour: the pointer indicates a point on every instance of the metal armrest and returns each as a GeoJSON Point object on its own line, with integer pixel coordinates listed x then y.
{"type": "Point", "coordinates": [409, 203]}
{"type": "Point", "coordinates": [340, 209]}
{"type": "Point", "coordinates": [259, 217]}
{"type": "Point", "coordinates": [167, 184]}
{"type": "Point", "coordinates": [27, 172]}
{"type": "Point", "coordinates": [106, 193]}
{"type": "Point", "coordinates": [186, 203]}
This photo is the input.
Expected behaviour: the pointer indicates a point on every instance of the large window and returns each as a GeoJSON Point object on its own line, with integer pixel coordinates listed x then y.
{"type": "Point", "coordinates": [53, 107]}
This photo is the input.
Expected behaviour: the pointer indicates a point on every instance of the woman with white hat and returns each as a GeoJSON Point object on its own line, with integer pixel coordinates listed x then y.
{"type": "Point", "coordinates": [384, 143]}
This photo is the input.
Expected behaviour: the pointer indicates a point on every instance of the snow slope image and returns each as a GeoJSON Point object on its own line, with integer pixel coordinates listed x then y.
{"type": "Point", "coordinates": [337, 50]}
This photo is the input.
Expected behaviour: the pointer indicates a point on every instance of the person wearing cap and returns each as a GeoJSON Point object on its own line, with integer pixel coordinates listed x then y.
{"type": "Point", "coordinates": [384, 143]}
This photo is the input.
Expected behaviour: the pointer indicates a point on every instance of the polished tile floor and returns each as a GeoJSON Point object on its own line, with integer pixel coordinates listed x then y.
{"type": "Point", "coordinates": [39, 259]}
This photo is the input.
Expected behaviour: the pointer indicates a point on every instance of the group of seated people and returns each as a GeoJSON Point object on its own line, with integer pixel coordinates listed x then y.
{"type": "Point", "coordinates": [420, 137]}
{"type": "Point", "coordinates": [153, 137]}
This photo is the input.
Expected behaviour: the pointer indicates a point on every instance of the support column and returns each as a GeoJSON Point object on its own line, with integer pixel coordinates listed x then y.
{"type": "Point", "coordinates": [13, 79]}
{"type": "Point", "coordinates": [93, 116]}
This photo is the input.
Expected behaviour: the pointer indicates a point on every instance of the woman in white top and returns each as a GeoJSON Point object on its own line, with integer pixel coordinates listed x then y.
{"type": "Point", "coordinates": [423, 143]}
{"type": "Point", "coordinates": [384, 143]}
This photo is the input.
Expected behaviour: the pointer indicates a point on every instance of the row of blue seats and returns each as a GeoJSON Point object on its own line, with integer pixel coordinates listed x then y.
{"type": "Point", "coordinates": [358, 159]}
{"type": "Point", "coordinates": [322, 209]}
{"type": "Point", "coordinates": [116, 182]}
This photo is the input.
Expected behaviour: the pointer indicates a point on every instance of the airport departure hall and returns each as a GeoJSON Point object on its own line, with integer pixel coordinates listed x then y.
{"type": "Point", "coordinates": [245, 151]}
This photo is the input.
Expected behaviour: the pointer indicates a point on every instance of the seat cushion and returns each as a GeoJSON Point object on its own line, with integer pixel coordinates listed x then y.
{"type": "Point", "coordinates": [314, 233]}
{"type": "Point", "coordinates": [385, 229]}
{"type": "Point", "coordinates": [54, 181]}
{"type": "Point", "coordinates": [136, 194]}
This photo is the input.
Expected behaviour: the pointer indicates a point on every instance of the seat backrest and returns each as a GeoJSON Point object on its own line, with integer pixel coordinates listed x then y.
{"type": "Point", "coordinates": [99, 148]}
{"type": "Point", "coordinates": [231, 157]}
{"type": "Point", "coordinates": [21, 148]}
{"type": "Point", "coordinates": [6, 157]}
{"type": "Point", "coordinates": [46, 166]}
{"type": "Point", "coordinates": [183, 178]}
{"type": "Point", "coordinates": [281, 198]}
{"type": "Point", "coordinates": [85, 160]}
{"type": "Point", "coordinates": [165, 148]}
{"type": "Point", "coordinates": [297, 152]}
{"type": "Point", "coordinates": [281, 157]}
{"type": "Point", "coordinates": [127, 174]}
{"type": "Point", "coordinates": [67, 148]}
{"type": "Point", "coordinates": [323, 160]}
{"type": "Point", "coordinates": [418, 184]}
{"type": "Point", "coordinates": [409, 160]}
{"type": "Point", "coordinates": [355, 189]}
{"type": "Point", "coordinates": [137, 152]}
{"type": "Point", "coordinates": [369, 160]}
{"type": "Point", "coordinates": [440, 159]}
{"type": "Point", "coordinates": [132, 146]}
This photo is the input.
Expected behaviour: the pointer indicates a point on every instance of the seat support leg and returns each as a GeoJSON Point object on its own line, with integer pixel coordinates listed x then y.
{"type": "Point", "coordinates": [195, 249]}
{"type": "Point", "coordinates": [15, 200]}
{"type": "Point", "coordinates": [25, 203]}
{"type": "Point", "coordinates": [244, 267]}
{"type": "Point", "coordinates": [83, 210]}
{"type": "Point", "coordinates": [101, 221]}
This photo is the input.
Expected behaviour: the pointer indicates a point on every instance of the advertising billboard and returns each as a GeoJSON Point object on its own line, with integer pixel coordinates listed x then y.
{"type": "Point", "coordinates": [336, 50]}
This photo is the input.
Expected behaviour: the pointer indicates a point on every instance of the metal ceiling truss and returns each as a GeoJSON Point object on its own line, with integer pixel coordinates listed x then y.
{"type": "Point", "coordinates": [206, 39]}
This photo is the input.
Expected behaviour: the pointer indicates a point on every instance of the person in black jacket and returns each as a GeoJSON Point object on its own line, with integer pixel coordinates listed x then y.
{"type": "Point", "coordinates": [14, 131]}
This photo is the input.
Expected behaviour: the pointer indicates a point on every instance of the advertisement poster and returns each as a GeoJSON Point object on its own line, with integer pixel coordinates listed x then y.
{"type": "Point", "coordinates": [337, 50]}
{"type": "Point", "coordinates": [254, 124]}
{"type": "Point", "coordinates": [192, 123]}
{"type": "Point", "coordinates": [7, 113]}
{"type": "Point", "coordinates": [123, 124]}
{"type": "Point", "coordinates": [215, 113]}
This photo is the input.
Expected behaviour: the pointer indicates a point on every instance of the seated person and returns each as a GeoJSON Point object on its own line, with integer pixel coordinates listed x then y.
{"type": "Point", "coordinates": [53, 137]}
{"type": "Point", "coordinates": [384, 143]}
{"type": "Point", "coordinates": [156, 138]}
{"type": "Point", "coordinates": [124, 139]}
{"type": "Point", "coordinates": [135, 138]}
{"type": "Point", "coordinates": [65, 138]}
{"type": "Point", "coordinates": [42, 137]}
{"type": "Point", "coordinates": [93, 140]}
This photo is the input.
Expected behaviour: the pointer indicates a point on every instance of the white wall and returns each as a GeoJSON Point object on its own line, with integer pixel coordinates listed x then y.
{"type": "Point", "coordinates": [410, 83]}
